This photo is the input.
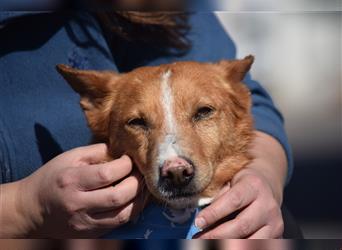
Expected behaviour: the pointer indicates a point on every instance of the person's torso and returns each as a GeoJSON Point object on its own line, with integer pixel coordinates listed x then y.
{"type": "Point", "coordinates": [40, 116]}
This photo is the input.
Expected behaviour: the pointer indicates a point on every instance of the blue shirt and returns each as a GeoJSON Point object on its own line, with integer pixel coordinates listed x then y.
{"type": "Point", "coordinates": [40, 115]}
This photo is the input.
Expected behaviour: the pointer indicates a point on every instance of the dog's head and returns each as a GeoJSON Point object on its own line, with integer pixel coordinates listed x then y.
{"type": "Point", "coordinates": [186, 125]}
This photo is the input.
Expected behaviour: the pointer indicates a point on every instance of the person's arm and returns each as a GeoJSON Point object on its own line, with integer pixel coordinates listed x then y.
{"type": "Point", "coordinates": [14, 215]}
{"type": "Point", "coordinates": [269, 120]}
{"type": "Point", "coordinates": [72, 196]}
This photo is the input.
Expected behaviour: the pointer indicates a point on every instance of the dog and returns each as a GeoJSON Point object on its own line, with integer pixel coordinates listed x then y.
{"type": "Point", "coordinates": [187, 126]}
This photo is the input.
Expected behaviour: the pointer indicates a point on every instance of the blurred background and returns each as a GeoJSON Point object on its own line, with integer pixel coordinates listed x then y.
{"type": "Point", "coordinates": [297, 45]}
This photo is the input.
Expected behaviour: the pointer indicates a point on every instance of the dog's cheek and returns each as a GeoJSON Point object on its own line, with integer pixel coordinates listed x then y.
{"type": "Point", "coordinates": [152, 164]}
{"type": "Point", "coordinates": [142, 154]}
{"type": "Point", "coordinates": [150, 168]}
{"type": "Point", "coordinates": [125, 142]}
{"type": "Point", "coordinates": [134, 145]}
{"type": "Point", "coordinates": [201, 149]}
{"type": "Point", "coordinates": [209, 140]}
{"type": "Point", "coordinates": [145, 155]}
{"type": "Point", "coordinates": [116, 149]}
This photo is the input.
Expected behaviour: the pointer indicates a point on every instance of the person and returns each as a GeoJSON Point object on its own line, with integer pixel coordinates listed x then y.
{"type": "Point", "coordinates": [55, 186]}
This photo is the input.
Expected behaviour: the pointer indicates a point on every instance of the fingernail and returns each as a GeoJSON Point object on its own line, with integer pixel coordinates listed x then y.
{"type": "Point", "coordinates": [124, 156]}
{"type": "Point", "coordinates": [200, 223]}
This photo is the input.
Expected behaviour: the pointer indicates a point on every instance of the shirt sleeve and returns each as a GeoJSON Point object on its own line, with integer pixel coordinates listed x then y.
{"type": "Point", "coordinates": [268, 119]}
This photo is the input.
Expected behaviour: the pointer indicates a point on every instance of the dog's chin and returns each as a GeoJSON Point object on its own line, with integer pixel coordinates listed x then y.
{"type": "Point", "coordinates": [179, 198]}
{"type": "Point", "coordinates": [176, 201]}
{"type": "Point", "coordinates": [182, 202]}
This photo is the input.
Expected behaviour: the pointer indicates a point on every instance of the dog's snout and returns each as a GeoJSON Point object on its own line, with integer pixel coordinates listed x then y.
{"type": "Point", "coordinates": [177, 171]}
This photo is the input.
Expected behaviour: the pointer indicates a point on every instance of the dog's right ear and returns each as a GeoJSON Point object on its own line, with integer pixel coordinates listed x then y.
{"type": "Point", "coordinates": [236, 70]}
{"type": "Point", "coordinates": [94, 88]}
{"type": "Point", "coordinates": [91, 83]}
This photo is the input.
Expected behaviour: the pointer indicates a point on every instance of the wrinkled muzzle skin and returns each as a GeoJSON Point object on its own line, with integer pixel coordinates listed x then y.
{"type": "Point", "coordinates": [187, 126]}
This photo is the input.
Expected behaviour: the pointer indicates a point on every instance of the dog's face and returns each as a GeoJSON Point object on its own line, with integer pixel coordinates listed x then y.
{"type": "Point", "coordinates": [186, 125]}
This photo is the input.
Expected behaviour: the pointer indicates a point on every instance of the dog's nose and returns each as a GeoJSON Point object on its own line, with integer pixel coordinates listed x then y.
{"type": "Point", "coordinates": [178, 171]}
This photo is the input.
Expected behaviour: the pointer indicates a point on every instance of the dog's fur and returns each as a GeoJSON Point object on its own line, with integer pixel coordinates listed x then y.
{"type": "Point", "coordinates": [199, 111]}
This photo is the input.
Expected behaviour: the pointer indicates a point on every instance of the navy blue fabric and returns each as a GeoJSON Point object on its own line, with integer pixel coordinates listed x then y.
{"type": "Point", "coordinates": [40, 115]}
{"type": "Point", "coordinates": [157, 222]}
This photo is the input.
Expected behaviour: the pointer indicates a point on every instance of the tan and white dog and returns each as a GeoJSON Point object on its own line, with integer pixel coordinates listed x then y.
{"type": "Point", "coordinates": [187, 125]}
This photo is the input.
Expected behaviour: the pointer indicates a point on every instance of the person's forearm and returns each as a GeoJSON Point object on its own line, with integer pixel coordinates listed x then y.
{"type": "Point", "coordinates": [270, 161]}
{"type": "Point", "coordinates": [16, 213]}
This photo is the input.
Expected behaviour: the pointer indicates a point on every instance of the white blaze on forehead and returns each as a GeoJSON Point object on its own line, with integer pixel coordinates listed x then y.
{"type": "Point", "coordinates": [167, 102]}
{"type": "Point", "coordinates": [168, 147]}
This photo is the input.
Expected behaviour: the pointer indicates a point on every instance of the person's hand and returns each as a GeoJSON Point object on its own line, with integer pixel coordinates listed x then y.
{"type": "Point", "coordinates": [255, 193]}
{"type": "Point", "coordinates": [260, 216]}
{"type": "Point", "coordinates": [73, 194]}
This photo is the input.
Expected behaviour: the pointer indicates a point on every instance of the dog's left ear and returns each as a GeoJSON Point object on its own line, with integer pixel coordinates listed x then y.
{"type": "Point", "coordinates": [235, 70]}
{"type": "Point", "coordinates": [93, 87]}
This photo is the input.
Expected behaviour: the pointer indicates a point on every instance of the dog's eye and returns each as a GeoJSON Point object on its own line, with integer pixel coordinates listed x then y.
{"type": "Point", "coordinates": [138, 122]}
{"type": "Point", "coordinates": [203, 112]}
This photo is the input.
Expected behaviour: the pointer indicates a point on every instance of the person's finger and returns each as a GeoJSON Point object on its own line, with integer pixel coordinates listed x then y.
{"type": "Point", "coordinates": [91, 154]}
{"type": "Point", "coordinates": [238, 196]}
{"type": "Point", "coordinates": [262, 233]}
{"type": "Point", "coordinates": [118, 217]}
{"type": "Point", "coordinates": [250, 220]}
{"type": "Point", "coordinates": [223, 191]}
{"type": "Point", "coordinates": [114, 196]}
{"type": "Point", "coordinates": [101, 175]}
